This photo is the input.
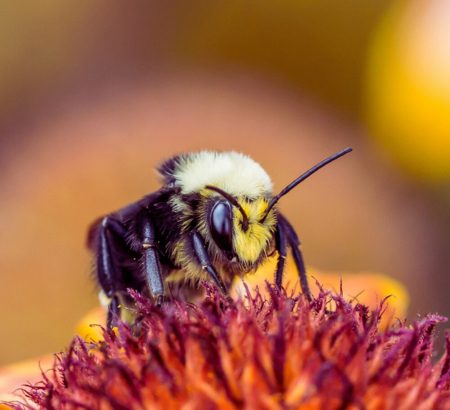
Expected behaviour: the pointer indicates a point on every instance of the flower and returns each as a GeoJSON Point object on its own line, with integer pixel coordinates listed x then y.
{"type": "Point", "coordinates": [277, 351]}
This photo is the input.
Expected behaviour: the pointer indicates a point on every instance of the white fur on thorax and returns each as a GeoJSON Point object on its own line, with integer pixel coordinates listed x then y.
{"type": "Point", "coordinates": [235, 173]}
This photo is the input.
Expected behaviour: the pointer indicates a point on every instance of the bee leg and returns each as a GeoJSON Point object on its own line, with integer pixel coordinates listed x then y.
{"type": "Point", "coordinates": [298, 258]}
{"type": "Point", "coordinates": [203, 259]}
{"type": "Point", "coordinates": [280, 246]}
{"type": "Point", "coordinates": [110, 232]}
{"type": "Point", "coordinates": [113, 312]}
{"type": "Point", "coordinates": [294, 243]}
{"type": "Point", "coordinates": [150, 257]}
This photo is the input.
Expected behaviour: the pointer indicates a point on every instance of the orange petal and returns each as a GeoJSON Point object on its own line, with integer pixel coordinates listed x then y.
{"type": "Point", "coordinates": [14, 376]}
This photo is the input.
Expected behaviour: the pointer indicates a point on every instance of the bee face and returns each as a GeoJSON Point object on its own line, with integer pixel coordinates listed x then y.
{"type": "Point", "coordinates": [252, 243]}
{"type": "Point", "coordinates": [240, 231]}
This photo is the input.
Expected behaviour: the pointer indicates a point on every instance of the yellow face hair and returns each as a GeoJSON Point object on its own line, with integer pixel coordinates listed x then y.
{"type": "Point", "coordinates": [251, 243]}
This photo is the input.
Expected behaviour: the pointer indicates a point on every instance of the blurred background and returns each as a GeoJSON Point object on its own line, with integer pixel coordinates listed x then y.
{"type": "Point", "coordinates": [94, 94]}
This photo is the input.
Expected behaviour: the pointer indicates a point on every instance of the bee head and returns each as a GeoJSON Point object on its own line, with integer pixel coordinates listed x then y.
{"type": "Point", "coordinates": [244, 228]}
{"type": "Point", "coordinates": [240, 226]}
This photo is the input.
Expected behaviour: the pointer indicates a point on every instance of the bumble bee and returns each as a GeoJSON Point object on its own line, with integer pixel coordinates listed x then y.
{"type": "Point", "coordinates": [214, 217]}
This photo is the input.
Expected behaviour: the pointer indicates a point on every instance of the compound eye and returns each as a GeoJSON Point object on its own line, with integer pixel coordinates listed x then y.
{"type": "Point", "coordinates": [221, 225]}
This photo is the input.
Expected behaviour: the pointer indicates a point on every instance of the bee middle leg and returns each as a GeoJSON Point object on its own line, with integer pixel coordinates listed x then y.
{"type": "Point", "coordinates": [150, 259]}
{"type": "Point", "coordinates": [280, 246]}
{"type": "Point", "coordinates": [118, 268]}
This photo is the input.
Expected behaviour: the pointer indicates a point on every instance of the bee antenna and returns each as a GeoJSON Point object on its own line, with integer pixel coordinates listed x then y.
{"type": "Point", "coordinates": [302, 177]}
{"type": "Point", "coordinates": [232, 200]}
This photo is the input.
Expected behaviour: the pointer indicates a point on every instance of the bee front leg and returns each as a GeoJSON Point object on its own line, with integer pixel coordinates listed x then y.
{"type": "Point", "coordinates": [298, 258]}
{"type": "Point", "coordinates": [203, 258]}
{"type": "Point", "coordinates": [294, 244]}
{"type": "Point", "coordinates": [280, 246]}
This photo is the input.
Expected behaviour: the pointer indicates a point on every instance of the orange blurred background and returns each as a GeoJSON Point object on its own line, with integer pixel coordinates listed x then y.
{"type": "Point", "coordinates": [94, 94]}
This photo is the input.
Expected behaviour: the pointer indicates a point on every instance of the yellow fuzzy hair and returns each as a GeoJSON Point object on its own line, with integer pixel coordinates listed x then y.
{"type": "Point", "coordinates": [250, 244]}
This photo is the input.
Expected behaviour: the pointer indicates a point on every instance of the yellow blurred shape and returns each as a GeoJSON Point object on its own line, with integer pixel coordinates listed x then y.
{"type": "Point", "coordinates": [408, 90]}
{"type": "Point", "coordinates": [90, 326]}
